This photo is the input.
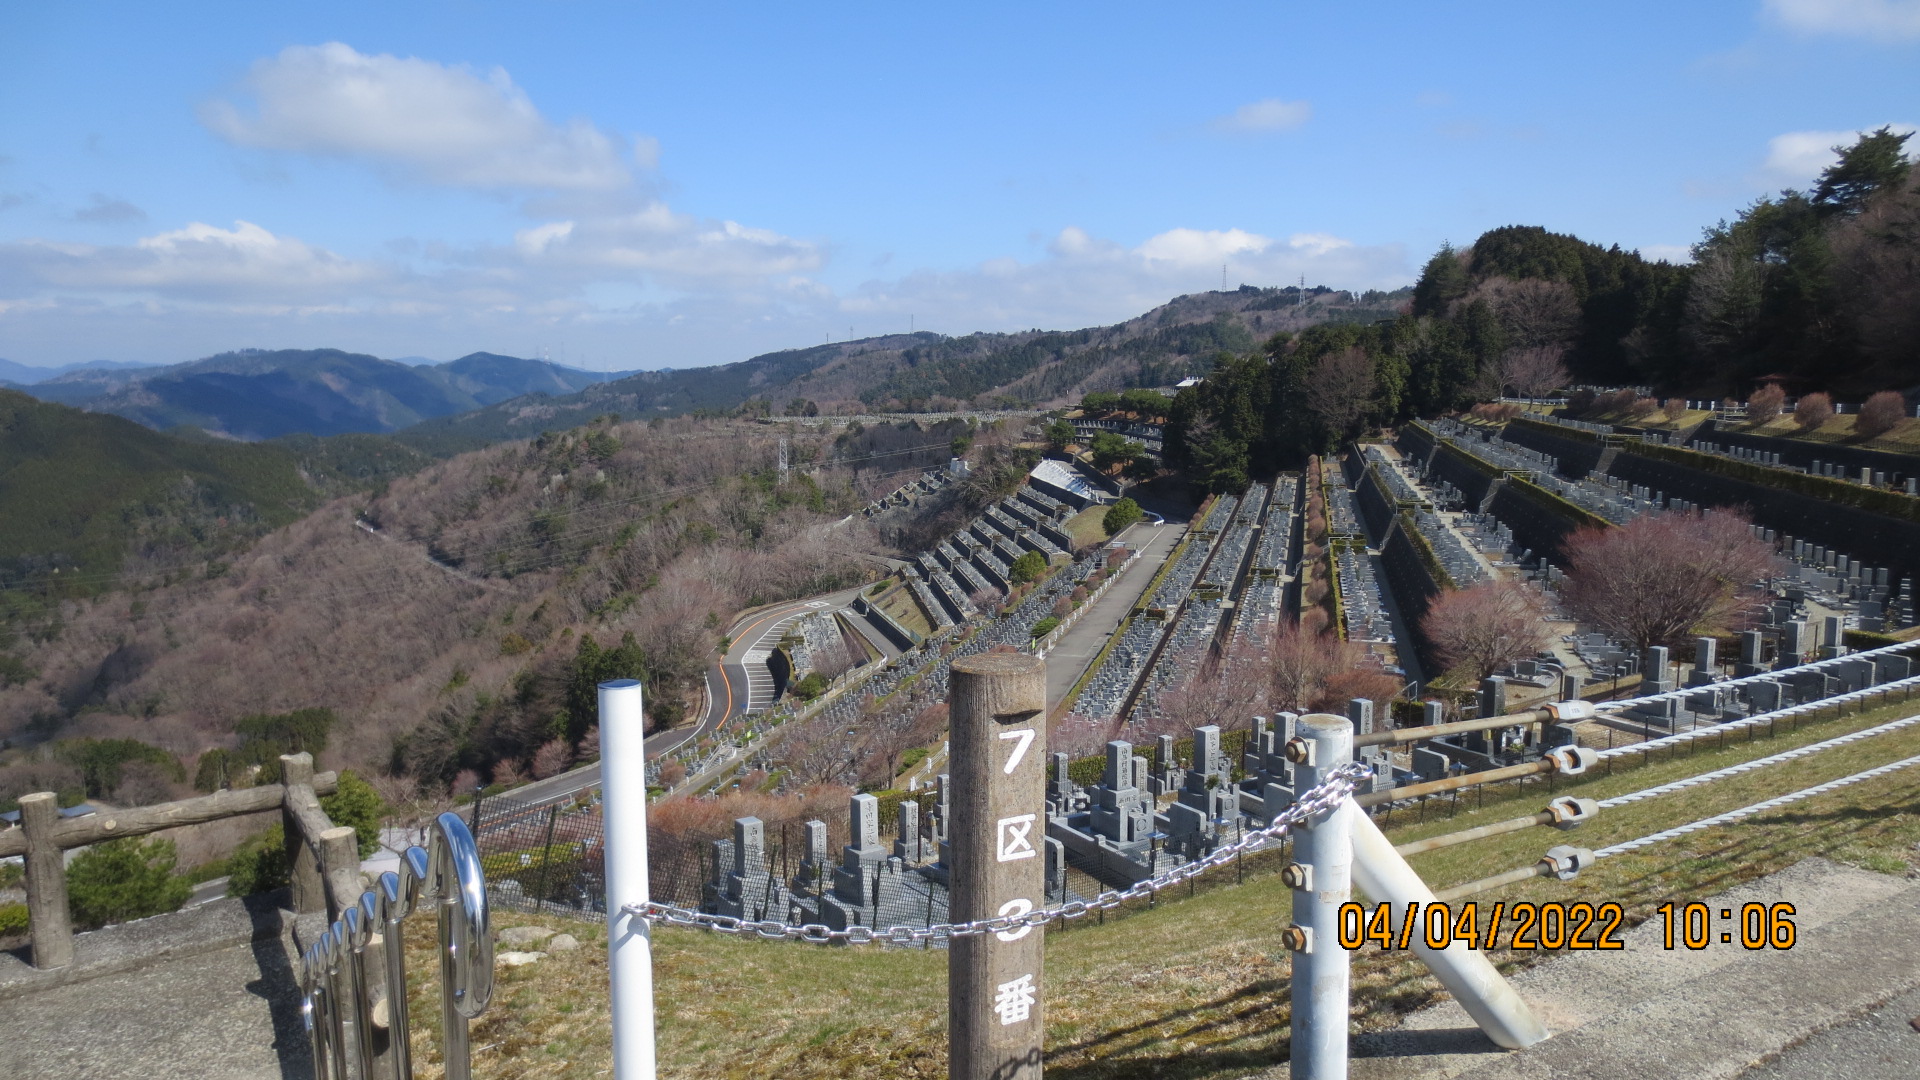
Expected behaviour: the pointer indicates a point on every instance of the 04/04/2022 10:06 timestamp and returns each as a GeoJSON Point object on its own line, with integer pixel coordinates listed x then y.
{"type": "Point", "coordinates": [1559, 925]}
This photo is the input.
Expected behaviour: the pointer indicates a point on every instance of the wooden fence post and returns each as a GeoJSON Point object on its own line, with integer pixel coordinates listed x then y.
{"type": "Point", "coordinates": [340, 858]}
{"type": "Point", "coordinates": [48, 921]}
{"type": "Point", "coordinates": [309, 890]}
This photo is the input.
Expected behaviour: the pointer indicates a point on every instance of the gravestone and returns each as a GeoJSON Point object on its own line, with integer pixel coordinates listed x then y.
{"type": "Point", "coordinates": [909, 848]}
{"type": "Point", "coordinates": [1117, 812]}
{"type": "Point", "coordinates": [1796, 642]}
{"type": "Point", "coordinates": [1766, 696]}
{"type": "Point", "coordinates": [1570, 687]}
{"type": "Point", "coordinates": [1165, 779]}
{"type": "Point", "coordinates": [1207, 803]}
{"type": "Point", "coordinates": [1655, 675]}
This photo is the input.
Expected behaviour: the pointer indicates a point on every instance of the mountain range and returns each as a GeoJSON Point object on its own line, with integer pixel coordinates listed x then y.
{"type": "Point", "coordinates": [484, 397]}
{"type": "Point", "coordinates": [929, 372]}
{"type": "Point", "coordinates": [262, 394]}
{"type": "Point", "coordinates": [19, 375]}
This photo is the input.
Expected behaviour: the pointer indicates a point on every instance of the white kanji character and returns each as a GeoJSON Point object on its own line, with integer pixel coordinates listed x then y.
{"type": "Point", "coordinates": [1016, 838]}
{"type": "Point", "coordinates": [1014, 1000]}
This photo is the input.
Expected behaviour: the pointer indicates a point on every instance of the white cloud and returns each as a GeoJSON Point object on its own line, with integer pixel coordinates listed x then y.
{"type": "Point", "coordinates": [1195, 247]}
{"type": "Point", "coordinates": [1677, 254]}
{"type": "Point", "coordinates": [1797, 158]}
{"type": "Point", "coordinates": [1874, 19]}
{"type": "Point", "coordinates": [658, 242]}
{"type": "Point", "coordinates": [1269, 114]}
{"type": "Point", "coordinates": [199, 262]}
{"type": "Point", "coordinates": [423, 120]}
{"type": "Point", "coordinates": [1087, 281]}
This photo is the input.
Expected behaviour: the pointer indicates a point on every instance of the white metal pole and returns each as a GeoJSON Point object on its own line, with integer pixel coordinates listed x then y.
{"type": "Point", "coordinates": [623, 808]}
{"type": "Point", "coordinates": [1465, 971]}
{"type": "Point", "coordinates": [1323, 852]}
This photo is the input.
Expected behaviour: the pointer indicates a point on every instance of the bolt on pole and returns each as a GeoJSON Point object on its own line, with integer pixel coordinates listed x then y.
{"type": "Point", "coordinates": [623, 783]}
{"type": "Point", "coordinates": [995, 1016]}
{"type": "Point", "coordinates": [1321, 877]}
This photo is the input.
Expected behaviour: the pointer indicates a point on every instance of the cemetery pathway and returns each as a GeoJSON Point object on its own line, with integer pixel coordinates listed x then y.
{"type": "Point", "coordinates": [1069, 657]}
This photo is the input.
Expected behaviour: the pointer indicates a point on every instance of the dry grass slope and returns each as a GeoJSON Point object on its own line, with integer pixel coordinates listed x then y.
{"type": "Point", "coordinates": [1198, 988]}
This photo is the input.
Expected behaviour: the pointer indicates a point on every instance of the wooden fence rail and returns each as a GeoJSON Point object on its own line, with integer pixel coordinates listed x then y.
{"type": "Point", "coordinates": [325, 859]}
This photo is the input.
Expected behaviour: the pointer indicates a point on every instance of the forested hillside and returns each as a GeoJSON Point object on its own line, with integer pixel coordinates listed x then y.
{"type": "Point", "coordinates": [87, 499]}
{"type": "Point", "coordinates": [621, 548]}
{"type": "Point", "coordinates": [1821, 288]}
{"type": "Point", "coordinates": [930, 372]}
{"type": "Point", "coordinates": [1821, 285]}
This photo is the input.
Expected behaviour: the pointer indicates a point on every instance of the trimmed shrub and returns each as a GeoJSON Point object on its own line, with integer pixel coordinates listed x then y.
{"type": "Point", "coordinates": [1764, 404]}
{"type": "Point", "coordinates": [1881, 414]}
{"type": "Point", "coordinates": [125, 879]}
{"type": "Point", "coordinates": [1812, 410]}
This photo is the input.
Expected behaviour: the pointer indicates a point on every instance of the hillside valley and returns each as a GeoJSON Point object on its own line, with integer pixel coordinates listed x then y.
{"type": "Point", "coordinates": [449, 621]}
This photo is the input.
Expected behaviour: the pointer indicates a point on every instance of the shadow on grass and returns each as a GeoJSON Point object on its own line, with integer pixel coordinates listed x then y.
{"type": "Point", "coordinates": [1110, 1045]}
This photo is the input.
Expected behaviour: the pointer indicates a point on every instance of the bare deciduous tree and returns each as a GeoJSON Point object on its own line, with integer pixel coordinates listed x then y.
{"type": "Point", "coordinates": [552, 759]}
{"type": "Point", "coordinates": [1764, 404]}
{"type": "Point", "coordinates": [507, 773]}
{"type": "Point", "coordinates": [818, 751]}
{"type": "Point", "coordinates": [1226, 690]}
{"type": "Point", "coordinates": [1478, 629]}
{"type": "Point", "coordinates": [1659, 578]}
{"type": "Point", "coordinates": [1881, 414]}
{"type": "Point", "coordinates": [1534, 370]}
{"type": "Point", "coordinates": [1340, 388]}
{"type": "Point", "coordinates": [1812, 410]}
{"type": "Point", "coordinates": [1534, 312]}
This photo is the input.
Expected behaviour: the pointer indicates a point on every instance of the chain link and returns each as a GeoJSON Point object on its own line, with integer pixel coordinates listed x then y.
{"type": "Point", "coordinates": [1328, 795]}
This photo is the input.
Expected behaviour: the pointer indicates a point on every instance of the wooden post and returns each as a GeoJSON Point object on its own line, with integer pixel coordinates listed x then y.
{"type": "Point", "coordinates": [995, 1016]}
{"type": "Point", "coordinates": [340, 858]}
{"type": "Point", "coordinates": [309, 891]}
{"type": "Point", "coordinates": [48, 921]}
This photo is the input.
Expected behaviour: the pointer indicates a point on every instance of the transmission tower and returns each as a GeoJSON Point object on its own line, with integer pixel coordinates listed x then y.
{"type": "Point", "coordinates": [785, 465]}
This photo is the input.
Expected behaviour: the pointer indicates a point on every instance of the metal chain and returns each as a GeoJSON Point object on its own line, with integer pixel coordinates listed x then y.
{"type": "Point", "coordinates": [1329, 795]}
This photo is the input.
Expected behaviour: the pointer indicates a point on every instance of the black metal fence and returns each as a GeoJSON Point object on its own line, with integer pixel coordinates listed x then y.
{"type": "Point", "coordinates": [549, 855]}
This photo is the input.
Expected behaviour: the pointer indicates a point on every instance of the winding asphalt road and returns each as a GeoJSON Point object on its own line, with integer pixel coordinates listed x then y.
{"type": "Point", "coordinates": [732, 689]}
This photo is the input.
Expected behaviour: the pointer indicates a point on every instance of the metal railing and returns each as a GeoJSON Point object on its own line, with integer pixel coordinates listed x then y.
{"type": "Point", "coordinates": [353, 979]}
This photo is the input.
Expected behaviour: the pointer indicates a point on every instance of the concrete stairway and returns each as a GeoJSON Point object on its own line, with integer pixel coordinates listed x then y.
{"type": "Point", "coordinates": [1647, 1013]}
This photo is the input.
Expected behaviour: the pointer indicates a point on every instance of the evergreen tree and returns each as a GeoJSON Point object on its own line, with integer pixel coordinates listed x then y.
{"type": "Point", "coordinates": [1442, 281]}
{"type": "Point", "coordinates": [1875, 162]}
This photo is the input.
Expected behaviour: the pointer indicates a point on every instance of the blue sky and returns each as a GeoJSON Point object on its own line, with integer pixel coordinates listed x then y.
{"type": "Point", "coordinates": [633, 185]}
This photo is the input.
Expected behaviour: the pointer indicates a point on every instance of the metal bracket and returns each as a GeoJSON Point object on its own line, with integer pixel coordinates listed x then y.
{"type": "Point", "coordinates": [1565, 862]}
{"type": "Point", "coordinates": [1573, 760]}
{"type": "Point", "coordinates": [1569, 812]}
